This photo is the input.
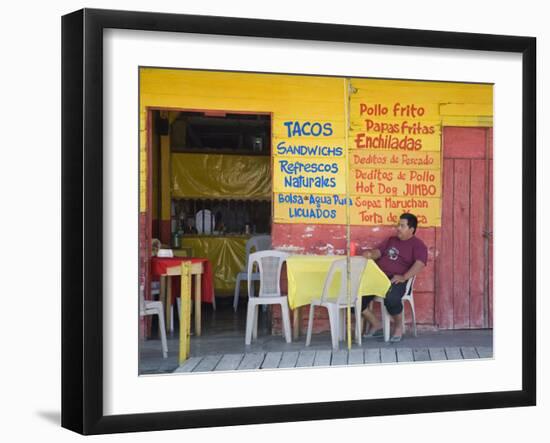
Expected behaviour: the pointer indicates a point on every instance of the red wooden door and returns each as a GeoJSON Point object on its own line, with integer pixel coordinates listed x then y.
{"type": "Point", "coordinates": [145, 230]}
{"type": "Point", "coordinates": [464, 263]}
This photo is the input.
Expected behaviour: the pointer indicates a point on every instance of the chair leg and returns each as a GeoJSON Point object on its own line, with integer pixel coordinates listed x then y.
{"type": "Point", "coordinates": [310, 324]}
{"type": "Point", "coordinates": [403, 324]}
{"type": "Point", "coordinates": [382, 319]}
{"type": "Point", "coordinates": [285, 312]}
{"type": "Point", "coordinates": [358, 325]}
{"type": "Point", "coordinates": [334, 326]}
{"type": "Point", "coordinates": [172, 308]}
{"type": "Point", "coordinates": [386, 322]}
{"type": "Point", "coordinates": [342, 325]}
{"type": "Point", "coordinates": [249, 322]}
{"type": "Point", "coordinates": [162, 330]}
{"type": "Point", "coordinates": [255, 329]}
{"type": "Point", "coordinates": [237, 292]}
{"type": "Point", "coordinates": [411, 301]}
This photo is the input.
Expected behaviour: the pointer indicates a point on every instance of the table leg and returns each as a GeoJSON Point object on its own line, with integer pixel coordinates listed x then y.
{"type": "Point", "coordinates": [162, 293]}
{"type": "Point", "coordinates": [168, 305]}
{"type": "Point", "coordinates": [198, 304]}
{"type": "Point", "coordinates": [296, 323]}
{"type": "Point", "coordinates": [185, 322]}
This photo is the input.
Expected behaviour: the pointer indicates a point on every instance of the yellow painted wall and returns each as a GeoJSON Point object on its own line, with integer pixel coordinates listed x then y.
{"type": "Point", "coordinates": [155, 158]}
{"type": "Point", "coordinates": [328, 103]}
{"type": "Point", "coordinates": [296, 97]}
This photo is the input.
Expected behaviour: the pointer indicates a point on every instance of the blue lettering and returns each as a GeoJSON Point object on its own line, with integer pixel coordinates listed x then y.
{"type": "Point", "coordinates": [291, 199]}
{"type": "Point", "coordinates": [311, 168]}
{"type": "Point", "coordinates": [288, 124]}
{"type": "Point", "coordinates": [311, 213]}
{"type": "Point", "coordinates": [342, 201]}
{"type": "Point", "coordinates": [316, 129]}
{"type": "Point", "coordinates": [309, 182]}
{"type": "Point", "coordinates": [306, 150]}
{"type": "Point", "coordinates": [296, 129]}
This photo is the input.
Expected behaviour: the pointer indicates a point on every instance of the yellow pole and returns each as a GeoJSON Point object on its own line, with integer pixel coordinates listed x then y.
{"type": "Point", "coordinates": [185, 320]}
{"type": "Point", "coordinates": [347, 90]}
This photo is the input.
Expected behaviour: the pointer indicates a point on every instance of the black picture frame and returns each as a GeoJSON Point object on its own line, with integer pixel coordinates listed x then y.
{"type": "Point", "coordinates": [82, 217]}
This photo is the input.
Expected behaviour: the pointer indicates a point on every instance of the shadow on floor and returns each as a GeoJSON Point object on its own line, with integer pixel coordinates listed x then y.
{"type": "Point", "coordinates": [223, 333]}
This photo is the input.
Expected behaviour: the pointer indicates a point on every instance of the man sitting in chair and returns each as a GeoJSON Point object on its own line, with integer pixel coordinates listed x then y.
{"type": "Point", "coordinates": [400, 257]}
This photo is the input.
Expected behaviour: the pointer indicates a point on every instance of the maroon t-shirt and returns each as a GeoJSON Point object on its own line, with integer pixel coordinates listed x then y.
{"type": "Point", "coordinates": [399, 255]}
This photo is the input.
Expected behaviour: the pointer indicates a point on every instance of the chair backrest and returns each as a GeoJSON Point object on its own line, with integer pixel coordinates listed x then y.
{"type": "Point", "coordinates": [257, 243]}
{"type": "Point", "coordinates": [339, 267]}
{"type": "Point", "coordinates": [269, 264]}
{"type": "Point", "coordinates": [409, 287]}
{"type": "Point", "coordinates": [260, 243]}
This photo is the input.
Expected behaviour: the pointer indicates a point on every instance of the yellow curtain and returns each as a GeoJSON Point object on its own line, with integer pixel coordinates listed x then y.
{"type": "Point", "coordinates": [221, 176]}
{"type": "Point", "coordinates": [226, 254]}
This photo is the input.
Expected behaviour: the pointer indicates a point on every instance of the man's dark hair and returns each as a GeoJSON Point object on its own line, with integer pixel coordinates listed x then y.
{"type": "Point", "coordinates": [412, 221]}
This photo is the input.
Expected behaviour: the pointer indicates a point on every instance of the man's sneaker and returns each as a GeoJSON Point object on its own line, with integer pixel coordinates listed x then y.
{"type": "Point", "coordinates": [376, 334]}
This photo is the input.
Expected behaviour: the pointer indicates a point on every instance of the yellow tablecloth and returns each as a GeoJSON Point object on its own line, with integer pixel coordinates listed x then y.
{"type": "Point", "coordinates": [307, 273]}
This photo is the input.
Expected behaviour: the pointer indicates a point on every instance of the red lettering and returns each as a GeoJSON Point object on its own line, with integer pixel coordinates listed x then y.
{"type": "Point", "coordinates": [360, 140]}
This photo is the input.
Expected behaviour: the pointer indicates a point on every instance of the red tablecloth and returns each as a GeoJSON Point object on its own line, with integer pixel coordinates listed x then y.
{"type": "Point", "coordinates": [159, 266]}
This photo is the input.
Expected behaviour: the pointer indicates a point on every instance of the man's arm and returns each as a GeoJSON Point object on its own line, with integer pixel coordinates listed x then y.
{"type": "Point", "coordinates": [414, 269]}
{"type": "Point", "coordinates": [373, 254]}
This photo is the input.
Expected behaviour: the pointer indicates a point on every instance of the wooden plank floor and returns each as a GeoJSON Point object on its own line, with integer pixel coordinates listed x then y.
{"type": "Point", "coordinates": [302, 359]}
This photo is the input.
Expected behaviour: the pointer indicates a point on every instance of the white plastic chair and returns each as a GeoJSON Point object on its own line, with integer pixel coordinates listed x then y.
{"type": "Point", "coordinates": [409, 296]}
{"type": "Point", "coordinates": [257, 243]}
{"type": "Point", "coordinates": [155, 247]}
{"type": "Point", "coordinates": [336, 305]}
{"type": "Point", "coordinates": [269, 265]}
{"type": "Point", "coordinates": [149, 307]}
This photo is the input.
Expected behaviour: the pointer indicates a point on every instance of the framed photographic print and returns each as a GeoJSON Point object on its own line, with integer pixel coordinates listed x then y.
{"type": "Point", "coordinates": [253, 207]}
